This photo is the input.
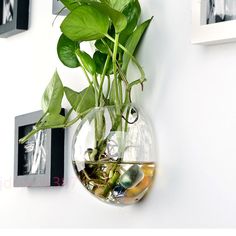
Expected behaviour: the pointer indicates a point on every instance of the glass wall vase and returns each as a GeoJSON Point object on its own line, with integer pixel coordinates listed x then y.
{"type": "Point", "coordinates": [113, 154]}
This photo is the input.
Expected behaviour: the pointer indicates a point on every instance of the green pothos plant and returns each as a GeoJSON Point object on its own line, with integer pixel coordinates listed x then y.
{"type": "Point", "coordinates": [113, 27]}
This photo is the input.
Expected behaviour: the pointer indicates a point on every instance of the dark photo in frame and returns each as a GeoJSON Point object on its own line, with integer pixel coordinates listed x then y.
{"type": "Point", "coordinates": [39, 162]}
{"type": "Point", "coordinates": [14, 17]}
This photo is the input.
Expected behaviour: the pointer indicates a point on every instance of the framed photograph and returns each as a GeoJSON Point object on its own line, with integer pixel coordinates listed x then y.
{"type": "Point", "coordinates": [14, 17]}
{"type": "Point", "coordinates": [57, 8]}
{"type": "Point", "coordinates": [40, 161]}
{"type": "Point", "coordinates": [213, 21]}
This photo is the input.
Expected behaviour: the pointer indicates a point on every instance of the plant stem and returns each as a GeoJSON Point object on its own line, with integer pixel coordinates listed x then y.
{"type": "Point", "coordinates": [127, 118]}
{"type": "Point", "coordinates": [131, 56]}
{"type": "Point", "coordinates": [68, 124]}
{"type": "Point", "coordinates": [95, 91]}
{"type": "Point", "coordinates": [108, 86]}
{"type": "Point", "coordinates": [96, 81]}
{"type": "Point", "coordinates": [68, 115]}
{"type": "Point", "coordinates": [86, 75]}
{"type": "Point", "coordinates": [120, 90]}
{"type": "Point", "coordinates": [111, 183]}
{"type": "Point", "coordinates": [44, 127]}
{"type": "Point", "coordinates": [40, 120]}
{"type": "Point", "coordinates": [116, 44]}
{"type": "Point", "coordinates": [122, 75]}
{"type": "Point", "coordinates": [103, 77]}
{"type": "Point", "coordinates": [28, 136]}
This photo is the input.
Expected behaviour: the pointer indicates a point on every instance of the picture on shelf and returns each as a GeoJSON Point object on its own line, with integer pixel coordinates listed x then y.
{"type": "Point", "coordinates": [220, 11]}
{"type": "Point", "coordinates": [213, 21]}
{"type": "Point", "coordinates": [39, 162]}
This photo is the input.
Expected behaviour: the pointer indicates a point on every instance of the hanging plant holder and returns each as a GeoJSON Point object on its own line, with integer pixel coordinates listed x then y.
{"type": "Point", "coordinates": [113, 154]}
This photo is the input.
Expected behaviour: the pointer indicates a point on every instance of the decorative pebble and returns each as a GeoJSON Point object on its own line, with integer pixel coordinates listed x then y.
{"type": "Point", "coordinates": [131, 200]}
{"type": "Point", "coordinates": [90, 185]}
{"type": "Point", "coordinates": [131, 177]}
{"type": "Point", "coordinates": [99, 191]}
{"type": "Point", "coordinates": [141, 187]}
{"type": "Point", "coordinates": [118, 191]}
{"type": "Point", "coordinates": [148, 170]}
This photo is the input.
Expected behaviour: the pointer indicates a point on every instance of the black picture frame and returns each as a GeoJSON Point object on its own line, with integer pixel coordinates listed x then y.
{"type": "Point", "coordinates": [53, 174]}
{"type": "Point", "coordinates": [14, 18]}
{"type": "Point", "coordinates": [57, 7]}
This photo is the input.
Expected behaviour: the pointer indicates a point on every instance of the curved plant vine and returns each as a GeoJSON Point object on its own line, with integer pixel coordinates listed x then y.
{"type": "Point", "coordinates": [114, 29]}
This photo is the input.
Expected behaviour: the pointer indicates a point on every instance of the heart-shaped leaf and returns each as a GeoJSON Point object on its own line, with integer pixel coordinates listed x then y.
{"type": "Point", "coordinates": [81, 101]}
{"type": "Point", "coordinates": [118, 5]}
{"type": "Point", "coordinates": [100, 60]}
{"type": "Point", "coordinates": [85, 23]}
{"type": "Point", "coordinates": [52, 97]}
{"type": "Point", "coordinates": [104, 48]}
{"type": "Point", "coordinates": [101, 47]}
{"type": "Point", "coordinates": [53, 120]}
{"type": "Point", "coordinates": [86, 61]}
{"type": "Point", "coordinates": [118, 19]}
{"type": "Point", "coordinates": [132, 12]}
{"type": "Point", "coordinates": [112, 97]}
{"type": "Point", "coordinates": [70, 4]}
{"type": "Point", "coordinates": [66, 52]}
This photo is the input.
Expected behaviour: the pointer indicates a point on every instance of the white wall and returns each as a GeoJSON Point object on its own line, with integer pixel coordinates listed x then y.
{"type": "Point", "coordinates": [190, 97]}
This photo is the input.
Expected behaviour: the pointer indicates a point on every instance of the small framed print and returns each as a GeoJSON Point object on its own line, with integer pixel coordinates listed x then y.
{"type": "Point", "coordinates": [58, 8]}
{"type": "Point", "coordinates": [14, 17]}
{"type": "Point", "coordinates": [214, 21]}
{"type": "Point", "coordinates": [40, 161]}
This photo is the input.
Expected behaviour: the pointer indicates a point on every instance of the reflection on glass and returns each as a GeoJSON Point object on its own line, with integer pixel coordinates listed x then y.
{"type": "Point", "coordinates": [35, 154]}
{"type": "Point", "coordinates": [220, 10]}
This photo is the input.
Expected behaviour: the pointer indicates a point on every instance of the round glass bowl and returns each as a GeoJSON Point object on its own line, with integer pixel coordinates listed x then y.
{"type": "Point", "coordinates": [113, 154]}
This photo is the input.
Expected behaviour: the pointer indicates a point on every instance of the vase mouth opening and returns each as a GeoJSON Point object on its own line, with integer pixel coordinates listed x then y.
{"type": "Point", "coordinates": [125, 111]}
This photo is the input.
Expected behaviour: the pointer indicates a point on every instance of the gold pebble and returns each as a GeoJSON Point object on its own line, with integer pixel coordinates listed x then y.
{"type": "Point", "coordinates": [135, 191]}
{"type": "Point", "coordinates": [99, 191]}
{"type": "Point", "coordinates": [148, 170]}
